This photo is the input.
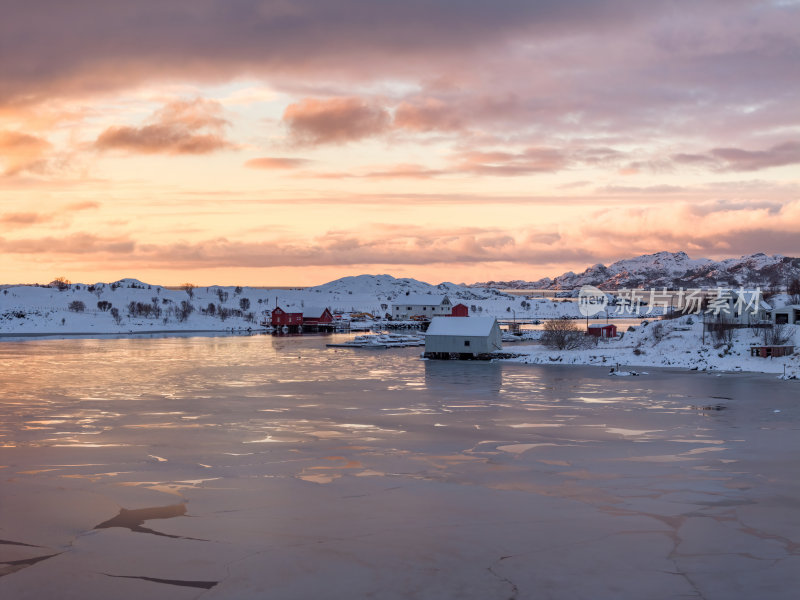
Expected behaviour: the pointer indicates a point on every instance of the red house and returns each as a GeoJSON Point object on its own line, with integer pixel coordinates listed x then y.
{"type": "Point", "coordinates": [602, 331]}
{"type": "Point", "coordinates": [291, 319]}
{"type": "Point", "coordinates": [317, 316]}
{"type": "Point", "coordinates": [459, 310]}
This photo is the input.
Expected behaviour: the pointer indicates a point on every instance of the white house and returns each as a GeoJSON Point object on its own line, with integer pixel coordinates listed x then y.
{"type": "Point", "coordinates": [786, 315]}
{"type": "Point", "coordinates": [744, 307]}
{"type": "Point", "coordinates": [428, 306]}
{"type": "Point", "coordinates": [465, 336]}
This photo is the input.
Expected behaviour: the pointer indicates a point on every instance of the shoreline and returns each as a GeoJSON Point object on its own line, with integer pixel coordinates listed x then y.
{"type": "Point", "coordinates": [97, 335]}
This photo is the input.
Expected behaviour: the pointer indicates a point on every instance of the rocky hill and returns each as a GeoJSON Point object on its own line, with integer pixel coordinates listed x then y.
{"type": "Point", "coordinates": [671, 270]}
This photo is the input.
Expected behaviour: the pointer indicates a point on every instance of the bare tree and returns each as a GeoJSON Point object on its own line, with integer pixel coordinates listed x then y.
{"type": "Point", "coordinates": [62, 283]}
{"type": "Point", "coordinates": [794, 290]}
{"type": "Point", "coordinates": [563, 334]}
{"type": "Point", "coordinates": [189, 289]}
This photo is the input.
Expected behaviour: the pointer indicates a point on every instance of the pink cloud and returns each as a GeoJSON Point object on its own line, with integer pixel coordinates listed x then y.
{"type": "Point", "coordinates": [737, 159]}
{"type": "Point", "coordinates": [181, 127]}
{"type": "Point", "coordinates": [429, 114]}
{"type": "Point", "coordinates": [334, 121]}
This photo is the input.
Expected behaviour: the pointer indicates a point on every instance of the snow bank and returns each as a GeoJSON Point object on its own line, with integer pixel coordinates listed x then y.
{"type": "Point", "coordinates": [675, 343]}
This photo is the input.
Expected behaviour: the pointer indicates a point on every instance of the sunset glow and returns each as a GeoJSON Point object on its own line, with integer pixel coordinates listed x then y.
{"type": "Point", "coordinates": [291, 143]}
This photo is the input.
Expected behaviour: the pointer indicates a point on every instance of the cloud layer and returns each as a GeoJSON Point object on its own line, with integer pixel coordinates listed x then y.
{"type": "Point", "coordinates": [181, 127]}
{"type": "Point", "coordinates": [646, 121]}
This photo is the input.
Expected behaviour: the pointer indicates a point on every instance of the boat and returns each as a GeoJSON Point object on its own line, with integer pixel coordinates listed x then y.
{"type": "Point", "coordinates": [354, 344]}
{"type": "Point", "coordinates": [381, 340]}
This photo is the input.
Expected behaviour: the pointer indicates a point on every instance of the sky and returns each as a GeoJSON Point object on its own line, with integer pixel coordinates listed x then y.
{"type": "Point", "coordinates": [243, 142]}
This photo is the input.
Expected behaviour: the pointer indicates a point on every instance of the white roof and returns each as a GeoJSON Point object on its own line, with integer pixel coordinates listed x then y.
{"type": "Point", "coordinates": [788, 307]}
{"type": "Point", "coordinates": [313, 311]}
{"type": "Point", "coordinates": [471, 326]}
{"type": "Point", "coordinates": [419, 300]}
{"type": "Point", "coordinates": [601, 325]}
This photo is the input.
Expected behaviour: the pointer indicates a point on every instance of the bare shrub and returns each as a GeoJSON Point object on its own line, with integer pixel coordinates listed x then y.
{"type": "Point", "coordinates": [77, 306]}
{"type": "Point", "coordinates": [777, 335]}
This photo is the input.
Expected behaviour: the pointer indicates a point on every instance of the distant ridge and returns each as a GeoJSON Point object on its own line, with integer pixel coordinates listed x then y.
{"type": "Point", "coordinates": [671, 270]}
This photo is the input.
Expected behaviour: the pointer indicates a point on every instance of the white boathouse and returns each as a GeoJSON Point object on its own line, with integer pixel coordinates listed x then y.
{"type": "Point", "coordinates": [462, 337]}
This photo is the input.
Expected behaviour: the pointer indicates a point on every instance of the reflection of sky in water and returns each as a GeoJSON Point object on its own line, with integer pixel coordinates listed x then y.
{"type": "Point", "coordinates": [121, 410]}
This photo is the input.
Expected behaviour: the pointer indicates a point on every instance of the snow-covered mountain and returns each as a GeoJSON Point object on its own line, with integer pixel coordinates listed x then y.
{"type": "Point", "coordinates": [672, 270]}
{"type": "Point", "coordinates": [132, 306]}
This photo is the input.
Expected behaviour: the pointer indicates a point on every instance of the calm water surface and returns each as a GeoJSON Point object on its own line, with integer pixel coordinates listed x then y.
{"type": "Point", "coordinates": [204, 418]}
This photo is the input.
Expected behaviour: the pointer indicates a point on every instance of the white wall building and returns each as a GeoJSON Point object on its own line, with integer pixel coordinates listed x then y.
{"type": "Point", "coordinates": [429, 306]}
{"type": "Point", "coordinates": [463, 335]}
{"type": "Point", "coordinates": [743, 307]}
{"type": "Point", "coordinates": [786, 315]}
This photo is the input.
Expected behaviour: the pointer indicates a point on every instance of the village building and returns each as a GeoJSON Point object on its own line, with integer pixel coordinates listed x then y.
{"type": "Point", "coordinates": [281, 318]}
{"type": "Point", "coordinates": [313, 315]}
{"type": "Point", "coordinates": [739, 307]}
{"type": "Point", "coordinates": [460, 310]}
{"type": "Point", "coordinates": [465, 337]}
{"type": "Point", "coordinates": [602, 330]}
{"type": "Point", "coordinates": [786, 315]}
{"type": "Point", "coordinates": [421, 307]}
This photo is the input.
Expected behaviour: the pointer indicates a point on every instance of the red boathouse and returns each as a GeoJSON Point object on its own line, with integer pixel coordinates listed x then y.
{"type": "Point", "coordinates": [460, 310]}
{"type": "Point", "coordinates": [317, 316]}
{"type": "Point", "coordinates": [282, 318]}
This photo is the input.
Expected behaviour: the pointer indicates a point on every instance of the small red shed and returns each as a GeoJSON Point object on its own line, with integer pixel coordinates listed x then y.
{"type": "Point", "coordinates": [771, 351]}
{"type": "Point", "coordinates": [317, 316]}
{"type": "Point", "coordinates": [291, 319]}
{"type": "Point", "coordinates": [602, 331]}
{"type": "Point", "coordinates": [459, 310]}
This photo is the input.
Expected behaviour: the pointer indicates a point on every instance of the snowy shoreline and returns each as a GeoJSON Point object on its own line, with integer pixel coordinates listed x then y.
{"type": "Point", "coordinates": [122, 334]}
{"type": "Point", "coordinates": [669, 344]}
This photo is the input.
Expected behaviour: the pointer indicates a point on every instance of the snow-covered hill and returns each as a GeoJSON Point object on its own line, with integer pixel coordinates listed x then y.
{"type": "Point", "coordinates": [672, 270]}
{"type": "Point", "coordinates": [132, 306]}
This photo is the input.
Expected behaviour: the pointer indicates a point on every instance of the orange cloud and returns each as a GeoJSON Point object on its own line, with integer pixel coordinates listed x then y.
{"type": "Point", "coordinates": [429, 114]}
{"type": "Point", "coordinates": [531, 160]}
{"type": "Point", "coordinates": [23, 219]}
{"type": "Point", "coordinates": [401, 171]}
{"type": "Point", "coordinates": [181, 127]}
{"type": "Point", "coordinates": [334, 121]}
{"type": "Point", "coordinates": [275, 162]}
{"type": "Point", "coordinates": [88, 205]}
{"type": "Point", "coordinates": [22, 152]}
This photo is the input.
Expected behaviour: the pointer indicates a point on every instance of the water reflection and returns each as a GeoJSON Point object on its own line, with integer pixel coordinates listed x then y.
{"type": "Point", "coordinates": [290, 407]}
{"type": "Point", "coordinates": [458, 378]}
